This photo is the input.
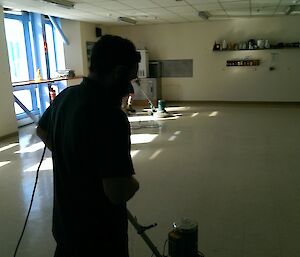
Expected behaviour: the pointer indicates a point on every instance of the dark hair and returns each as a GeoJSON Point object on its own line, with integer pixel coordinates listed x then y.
{"type": "Point", "coordinates": [110, 51]}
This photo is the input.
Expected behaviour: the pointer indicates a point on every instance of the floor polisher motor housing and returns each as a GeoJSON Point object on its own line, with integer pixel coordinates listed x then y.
{"type": "Point", "coordinates": [183, 240]}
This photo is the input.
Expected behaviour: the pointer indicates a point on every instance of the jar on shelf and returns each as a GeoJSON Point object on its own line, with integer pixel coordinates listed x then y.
{"type": "Point", "coordinates": [267, 43]}
{"type": "Point", "coordinates": [224, 45]}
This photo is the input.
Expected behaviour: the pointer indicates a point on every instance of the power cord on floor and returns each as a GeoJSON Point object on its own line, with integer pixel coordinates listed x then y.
{"type": "Point", "coordinates": [164, 249]}
{"type": "Point", "coordinates": [31, 201]}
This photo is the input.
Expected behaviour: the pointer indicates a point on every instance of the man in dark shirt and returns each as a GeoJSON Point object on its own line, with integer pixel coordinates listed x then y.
{"type": "Point", "coordinates": [90, 143]}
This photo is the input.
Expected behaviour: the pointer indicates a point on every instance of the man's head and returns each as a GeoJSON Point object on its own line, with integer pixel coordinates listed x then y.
{"type": "Point", "coordinates": [115, 60]}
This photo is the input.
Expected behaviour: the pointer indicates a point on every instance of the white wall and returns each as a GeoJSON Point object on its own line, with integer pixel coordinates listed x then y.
{"type": "Point", "coordinates": [73, 51]}
{"type": "Point", "coordinates": [8, 124]}
{"type": "Point", "coordinates": [88, 34]}
{"type": "Point", "coordinates": [78, 34]}
{"type": "Point", "coordinates": [212, 80]}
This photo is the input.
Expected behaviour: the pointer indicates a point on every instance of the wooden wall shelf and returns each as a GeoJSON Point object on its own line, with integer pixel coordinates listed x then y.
{"type": "Point", "coordinates": [250, 62]}
{"type": "Point", "coordinates": [252, 46]}
{"type": "Point", "coordinates": [34, 82]}
{"type": "Point", "coordinates": [258, 49]}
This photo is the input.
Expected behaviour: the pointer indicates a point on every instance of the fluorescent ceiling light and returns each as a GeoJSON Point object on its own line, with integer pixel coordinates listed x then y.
{"type": "Point", "coordinates": [203, 15]}
{"type": "Point", "coordinates": [61, 3]}
{"type": "Point", "coordinates": [292, 9]}
{"type": "Point", "coordinates": [13, 11]}
{"type": "Point", "coordinates": [127, 20]}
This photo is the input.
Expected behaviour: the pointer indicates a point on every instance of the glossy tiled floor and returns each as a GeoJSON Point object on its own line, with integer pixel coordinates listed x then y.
{"type": "Point", "coordinates": [232, 168]}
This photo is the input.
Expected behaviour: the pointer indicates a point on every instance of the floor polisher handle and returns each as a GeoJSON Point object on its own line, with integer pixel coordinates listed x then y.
{"type": "Point", "coordinates": [141, 231]}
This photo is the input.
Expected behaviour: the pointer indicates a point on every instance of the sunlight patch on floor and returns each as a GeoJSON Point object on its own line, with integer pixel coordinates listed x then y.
{"type": "Point", "coordinates": [142, 138]}
{"type": "Point", "coordinates": [4, 163]}
{"type": "Point", "coordinates": [46, 165]}
{"type": "Point", "coordinates": [134, 153]}
{"type": "Point", "coordinates": [155, 154]}
{"type": "Point", "coordinates": [177, 108]}
{"type": "Point", "coordinates": [213, 114]}
{"type": "Point", "coordinates": [32, 148]}
{"type": "Point", "coordinates": [8, 147]}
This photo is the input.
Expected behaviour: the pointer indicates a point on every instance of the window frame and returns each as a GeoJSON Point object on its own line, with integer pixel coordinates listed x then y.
{"type": "Point", "coordinates": [25, 19]}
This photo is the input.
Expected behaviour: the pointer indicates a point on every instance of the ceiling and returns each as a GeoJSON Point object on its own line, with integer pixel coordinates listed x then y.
{"type": "Point", "coordinates": [157, 11]}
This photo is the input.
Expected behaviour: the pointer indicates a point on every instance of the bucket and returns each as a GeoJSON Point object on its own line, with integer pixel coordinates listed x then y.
{"type": "Point", "coordinates": [161, 105]}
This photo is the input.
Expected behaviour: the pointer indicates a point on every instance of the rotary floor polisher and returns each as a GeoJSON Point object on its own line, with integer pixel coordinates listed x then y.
{"type": "Point", "coordinates": [182, 240]}
{"type": "Point", "coordinates": [159, 112]}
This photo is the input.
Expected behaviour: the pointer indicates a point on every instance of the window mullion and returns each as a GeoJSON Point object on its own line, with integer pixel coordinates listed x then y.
{"type": "Point", "coordinates": [25, 21]}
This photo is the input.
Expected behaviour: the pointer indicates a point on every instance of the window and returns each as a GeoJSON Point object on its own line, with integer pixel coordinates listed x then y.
{"type": "Point", "coordinates": [19, 61]}
{"type": "Point", "coordinates": [16, 49]}
{"type": "Point", "coordinates": [25, 98]}
{"type": "Point", "coordinates": [25, 58]}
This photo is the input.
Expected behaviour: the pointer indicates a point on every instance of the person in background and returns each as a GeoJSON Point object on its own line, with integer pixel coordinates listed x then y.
{"type": "Point", "coordinates": [90, 143]}
{"type": "Point", "coordinates": [127, 100]}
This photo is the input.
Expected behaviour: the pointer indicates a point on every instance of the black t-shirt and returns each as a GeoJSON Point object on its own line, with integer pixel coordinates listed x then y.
{"type": "Point", "coordinates": [90, 141]}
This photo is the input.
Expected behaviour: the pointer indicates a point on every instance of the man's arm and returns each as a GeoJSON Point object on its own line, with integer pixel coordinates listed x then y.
{"type": "Point", "coordinates": [120, 189]}
{"type": "Point", "coordinates": [43, 135]}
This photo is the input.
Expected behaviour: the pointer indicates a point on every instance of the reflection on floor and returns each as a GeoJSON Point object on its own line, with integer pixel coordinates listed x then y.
{"type": "Point", "coordinates": [232, 168]}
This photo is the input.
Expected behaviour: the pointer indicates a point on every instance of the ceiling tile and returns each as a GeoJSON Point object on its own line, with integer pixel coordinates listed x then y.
{"type": "Point", "coordinates": [88, 1]}
{"type": "Point", "coordinates": [156, 11]}
{"type": "Point", "coordinates": [267, 11]}
{"type": "Point", "coordinates": [177, 20]}
{"type": "Point", "coordinates": [236, 5]}
{"type": "Point", "coordinates": [241, 12]}
{"type": "Point", "coordinates": [232, 1]}
{"type": "Point", "coordinates": [112, 5]}
{"type": "Point", "coordinates": [265, 2]}
{"type": "Point", "coordinates": [167, 3]}
{"type": "Point", "coordinates": [139, 3]}
{"type": "Point", "coordinates": [208, 7]}
{"type": "Point", "coordinates": [133, 12]}
{"type": "Point", "coordinates": [217, 13]}
{"type": "Point", "coordinates": [264, 9]}
{"type": "Point", "coordinates": [181, 9]}
{"type": "Point", "coordinates": [202, 1]}
{"type": "Point", "coordinates": [158, 21]}
{"type": "Point", "coordinates": [191, 17]}
{"type": "Point", "coordinates": [253, 6]}
{"type": "Point", "coordinates": [88, 7]}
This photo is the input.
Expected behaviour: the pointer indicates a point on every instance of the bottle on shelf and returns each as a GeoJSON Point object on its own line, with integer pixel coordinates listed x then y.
{"type": "Point", "coordinates": [224, 45]}
{"type": "Point", "coordinates": [216, 47]}
{"type": "Point", "coordinates": [38, 76]}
